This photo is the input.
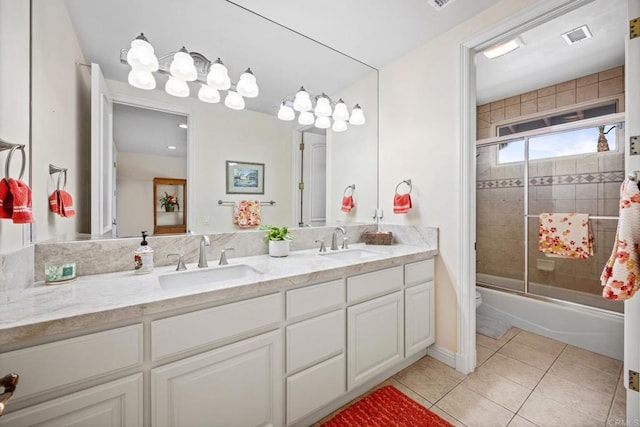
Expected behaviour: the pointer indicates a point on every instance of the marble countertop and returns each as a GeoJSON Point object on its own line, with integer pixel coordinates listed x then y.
{"type": "Point", "coordinates": [92, 301]}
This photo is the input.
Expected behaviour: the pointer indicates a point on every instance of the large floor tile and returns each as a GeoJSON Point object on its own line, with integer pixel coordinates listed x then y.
{"type": "Point", "coordinates": [546, 412]}
{"type": "Point", "coordinates": [482, 354]}
{"type": "Point", "coordinates": [406, 391]}
{"type": "Point", "coordinates": [429, 382]}
{"type": "Point", "coordinates": [585, 376]}
{"type": "Point", "coordinates": [490, 343]}
{"type": "Point", "coordinates": [441, 368]}
{"type": "Point", "coordinates": [597, 361]}
{"type": "Point", "coordinates": [473, 409]}
{"type": "Point", "coordinates": [531, 356]}
{"type": "Point", "coordinates": [448, 417]}
{"type": "Point", "coordinates": [539, 342]}
{"type": "Point", "coordinates": [513, 370]}
{"type": "Point", "coordinates": [518, 421]}
{"type": "Point", "coordinates": [497, 388]}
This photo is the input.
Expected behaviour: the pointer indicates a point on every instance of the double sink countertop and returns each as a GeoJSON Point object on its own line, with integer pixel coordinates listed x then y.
{"type": "Point", "coordinates": [98, 300]}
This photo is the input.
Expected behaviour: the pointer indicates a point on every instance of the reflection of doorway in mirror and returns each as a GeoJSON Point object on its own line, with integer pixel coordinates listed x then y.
{"type": "Point", "coordinates": [312, 167]}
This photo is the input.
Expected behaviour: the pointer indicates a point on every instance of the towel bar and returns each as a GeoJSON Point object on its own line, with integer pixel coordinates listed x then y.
{"type": "Point", "coordinates": [4, 145]}
{"type": "Point", "coordinates": [590, 216]}
{"type": "Point", "coordinates": [231, 202]}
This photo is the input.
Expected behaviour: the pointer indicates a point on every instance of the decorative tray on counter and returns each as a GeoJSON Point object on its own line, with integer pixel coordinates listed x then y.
{"type": "Point", "coordinates": [378, 237]}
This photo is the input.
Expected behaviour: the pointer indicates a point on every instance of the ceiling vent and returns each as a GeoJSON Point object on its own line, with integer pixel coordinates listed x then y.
{"type": "Point", "coordinates": [577, 35]}
{"type": "Point", "coordinates": [439, 4]}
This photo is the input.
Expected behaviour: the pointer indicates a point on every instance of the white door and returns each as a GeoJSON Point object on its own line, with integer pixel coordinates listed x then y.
{"type": "Point", "coordinates": [314, 177]}
{"type": "Point", "coordinates": [375, 337]}
{"type": "Point", "coordinates": [101, 154]}
{"type": "Point", "coordinates": [419, 318]}
{"type": "Point", "coordinates": [632, 306]}
{"type": "Point", "coordinates": [236, 385]}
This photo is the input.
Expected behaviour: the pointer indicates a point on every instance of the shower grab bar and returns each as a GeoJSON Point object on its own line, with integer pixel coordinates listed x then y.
{"type": "Point", "coordinates": [590, 216]}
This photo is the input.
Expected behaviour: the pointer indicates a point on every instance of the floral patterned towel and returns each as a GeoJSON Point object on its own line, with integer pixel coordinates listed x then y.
{"type": "Point", "coordinates": [566, 235]}
{"type": "Point", "coordinates": [620, 274]}
{"type": "Point", "coordinates": [246, 213]}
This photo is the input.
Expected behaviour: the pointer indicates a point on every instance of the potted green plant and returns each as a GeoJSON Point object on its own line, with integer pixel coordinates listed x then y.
{"type": "Point", "coordinates": [278, 238]}
{"type": "Point", "coordinates": [169, 202]}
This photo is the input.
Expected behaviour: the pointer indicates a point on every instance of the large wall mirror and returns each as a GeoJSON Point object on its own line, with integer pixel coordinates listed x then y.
{"type": "Point", "coordinates": [141, 125]}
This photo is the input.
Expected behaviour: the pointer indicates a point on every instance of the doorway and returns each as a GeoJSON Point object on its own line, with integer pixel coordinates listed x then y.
{"type": "Point", "coordinates": [310, 170]}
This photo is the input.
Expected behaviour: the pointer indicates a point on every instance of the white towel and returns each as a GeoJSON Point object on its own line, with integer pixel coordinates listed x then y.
{"type": "Point", "coordinates": [619, 277]}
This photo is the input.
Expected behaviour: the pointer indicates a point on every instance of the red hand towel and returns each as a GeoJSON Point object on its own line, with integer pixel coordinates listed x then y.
{"type": "Point", "coordinates": [401, 203]}
{"type": "Point", "coordinates": [347, 203]}
{"type": "Point", "coordinates": [6, 200]}
{"type": "Point", "coordinates": [54, 204]}
{"type": "Point", "coordinates": [21, 201]}
{"type": "Point", "coordinates": [66, 204]}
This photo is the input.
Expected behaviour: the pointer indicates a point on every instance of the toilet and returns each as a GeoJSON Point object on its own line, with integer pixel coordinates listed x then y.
{"type": "Point", "coordinates": [478, 299]}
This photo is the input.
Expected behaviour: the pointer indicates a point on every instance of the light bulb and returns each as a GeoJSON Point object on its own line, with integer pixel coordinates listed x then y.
{"type": "Point", "coordinates": [340, 112]}
{"type": "Point", "coordinates": [234, 100]}
{"type": "Point", "coordinates": [323, 106]}
{"type": "Point", "coordinates": [141, 56]}
{"type": "Point", "coordinates": [142, 79]}
{"type": "Point", "coordinates": [177, 87]}
{"type": "Point", "coordinates": [286, 113]}
{"type": "Point", "coordinates": [218, 77]}
{"type": "Point", "coordinates": [357, 116]}
{"type": "Point", "coordinates": [302, 102]}
{"type": "Point", "coordinates": [247, 85]}
{"type": "Point", "coordinates": [182, 66]}
{"type": "Point", "coordinates": [323, 122]}
{"type": "Point", "coordinates": [208, 94]}
{"type": "Point", "coordinates": [306, 118]}
{"type": "Point", "coordinates": [339, 126]}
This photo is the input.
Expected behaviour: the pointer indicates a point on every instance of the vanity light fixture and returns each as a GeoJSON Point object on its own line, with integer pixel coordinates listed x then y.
{"type": "Point", "coordinates": [503, 48]}
{"type": "Point", "coordinates": [318, 110]}
{"type": "Point", "coordinates": [184, 67]}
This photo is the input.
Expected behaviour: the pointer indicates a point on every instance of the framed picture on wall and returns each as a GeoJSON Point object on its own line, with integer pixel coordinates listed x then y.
{"type": "Point", "coordinates": [245, 178]}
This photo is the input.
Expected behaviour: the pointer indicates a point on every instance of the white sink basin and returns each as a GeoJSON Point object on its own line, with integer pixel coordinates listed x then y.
{"type": "Point", "coordinates": [349, 254]}
{"type": "Point", "coordinates": [214, 277]}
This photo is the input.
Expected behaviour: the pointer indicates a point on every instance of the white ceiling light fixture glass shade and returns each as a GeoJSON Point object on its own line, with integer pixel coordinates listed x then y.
{"type": "Point", "coordinates": [323, 106]}
{"type": "Point", "coordinates": [286, 113]}
{"type": "Point", "coordinates": [323, 122]}
{"type": "Point", "coordinates": [177, 87]}
{"type": "Point", "coordinates": [142, 79]}
{"type": "Point", "coordinates": [357, 116]}
{"type": "Point", "coordinates": [141, 55]}
{"type": "Point", "coordinates": [234, 100]}
{"type": "Point", "coordinates": [208, 94]}
{"type": "Point", "coordinates": [247, 86]}
{"type": "Point", "coordinates": [182, 66]}
{"type": "Point", "coordinates": [306, 118]}
{"type": "Point", "coordinates": [502, 48]}
{"type": "Point", "coordinates": [340, 112]}
{"type": "Point", "coordinates": [302, 102]}
{"type": "Point", "coordinates": [218, 77]}
{"type": "Point", "coordinates": [339, 126]}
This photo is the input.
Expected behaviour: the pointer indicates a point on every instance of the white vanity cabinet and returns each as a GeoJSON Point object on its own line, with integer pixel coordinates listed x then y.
{"type": "Point", "coordinates": [419, 306]}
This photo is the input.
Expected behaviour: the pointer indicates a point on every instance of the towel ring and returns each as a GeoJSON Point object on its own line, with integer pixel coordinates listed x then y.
{"type": "Point", "coordinates": [352, 187]}
{"type": "Point", "coordinates": [7, 165]}
{"type": "Point", "coordinates": [406, 181]}
{"type": "Point", "coordinates": [57, 169]}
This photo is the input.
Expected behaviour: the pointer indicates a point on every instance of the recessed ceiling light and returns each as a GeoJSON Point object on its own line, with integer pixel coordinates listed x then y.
{"type": "Point", "coordinates": [502, 48]}
{"type": "Point", "coordinates": [577, 35]}
{"type": "Point", "coordinates": [183, 126]}
{"type": "Point", "coordinates": [172, 147]}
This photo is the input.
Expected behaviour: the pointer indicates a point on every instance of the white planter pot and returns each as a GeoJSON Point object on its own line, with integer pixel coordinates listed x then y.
{"type": "Point", "coordinates": [278, 248]}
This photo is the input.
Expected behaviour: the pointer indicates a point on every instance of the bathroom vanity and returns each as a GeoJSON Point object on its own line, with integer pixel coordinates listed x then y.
{"type": "Point", "coordinates": [284, 345]}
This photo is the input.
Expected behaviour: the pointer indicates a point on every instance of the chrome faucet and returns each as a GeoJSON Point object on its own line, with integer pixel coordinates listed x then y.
{"type": "Point", "coordinates": [334, 239]}
{"type": "Point", "coordinates": [323, 248]}
{"type": "Point", "coordinates": [223, 256]}
{"type": "Point", "coordinates": [202, 261]}
{"type": "Point", "coordinates": [181, 265]}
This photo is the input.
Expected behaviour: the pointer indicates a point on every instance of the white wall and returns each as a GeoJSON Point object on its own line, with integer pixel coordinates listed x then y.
{"type": "Point", "coordinates": [222, 134]}
{"type": "Point", "coordinates": [14, 99]}
{"type": "Point", "coordinates": [419, 139]}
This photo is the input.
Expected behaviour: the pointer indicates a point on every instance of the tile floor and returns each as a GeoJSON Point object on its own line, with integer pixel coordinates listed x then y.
{"type": "Point", "coordinates": [521, 379]}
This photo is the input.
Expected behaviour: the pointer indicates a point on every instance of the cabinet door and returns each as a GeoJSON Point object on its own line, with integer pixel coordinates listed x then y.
{"type": "Point", "coordinates": [375, 337]}
{"type": "Point", "coordinates": [419, 318]}
{"type": "Point", "coordinates": [236, 385]}
{"type": "Point", "coordinates": [117, 403]}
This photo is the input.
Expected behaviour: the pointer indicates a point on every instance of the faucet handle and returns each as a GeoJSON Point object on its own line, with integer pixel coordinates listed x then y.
{"type": "Point", "coordinates": [181, 265]}
{"type": "Point", "coordinates": [344, 242]}
{"type": "Point", "coordinates": [323, 248]}
{"type": "Point", "coordinates": [223, 256]}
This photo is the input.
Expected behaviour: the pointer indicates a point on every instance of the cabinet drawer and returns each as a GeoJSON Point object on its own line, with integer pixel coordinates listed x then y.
{"type": "Point", "coordinates": [313, 388]}
{"type": "Point", "coordinates": [373, 284]}
{"type": "Point", "coordinates": [418, 272]}
{"type": "Point", "coordinates": [188, 331]}
{"type": "Point", "coordinates": [313, 340]}
{"type": "Point", "coordinates": [315, 299]}
{"type": "Point", "coordinates": [49, 366]}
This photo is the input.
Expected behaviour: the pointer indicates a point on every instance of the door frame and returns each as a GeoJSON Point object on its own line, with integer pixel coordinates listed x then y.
{"type": "Point", "coordinates": [296, 157]}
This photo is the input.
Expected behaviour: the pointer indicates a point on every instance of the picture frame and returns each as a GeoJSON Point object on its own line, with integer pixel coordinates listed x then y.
{"type": "Point", "coordinates": [244, 177]}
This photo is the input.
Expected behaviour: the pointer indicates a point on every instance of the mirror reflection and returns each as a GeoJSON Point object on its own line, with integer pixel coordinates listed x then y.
{"type": "Point", "coordinates": [113, 182]}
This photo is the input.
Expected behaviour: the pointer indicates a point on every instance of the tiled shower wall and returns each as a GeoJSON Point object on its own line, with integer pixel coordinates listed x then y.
{"type": "Point", "coordinates": [585, 184]}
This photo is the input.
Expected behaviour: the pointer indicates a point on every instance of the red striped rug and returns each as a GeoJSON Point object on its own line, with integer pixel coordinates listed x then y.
{"type": "Point", "coordinates": [386, 407]}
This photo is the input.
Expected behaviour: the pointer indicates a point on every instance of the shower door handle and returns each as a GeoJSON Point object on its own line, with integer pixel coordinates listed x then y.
{"type": "Point", "coordinates": [9, 382]}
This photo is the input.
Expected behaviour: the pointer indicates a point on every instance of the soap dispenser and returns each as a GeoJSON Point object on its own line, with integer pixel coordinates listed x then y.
{"type": "Point", "coordinates": [143, 257]}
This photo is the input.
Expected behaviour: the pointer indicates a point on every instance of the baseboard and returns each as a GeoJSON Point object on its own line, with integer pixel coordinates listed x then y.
{"type": "Point", "coordinates": [442, 354]}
